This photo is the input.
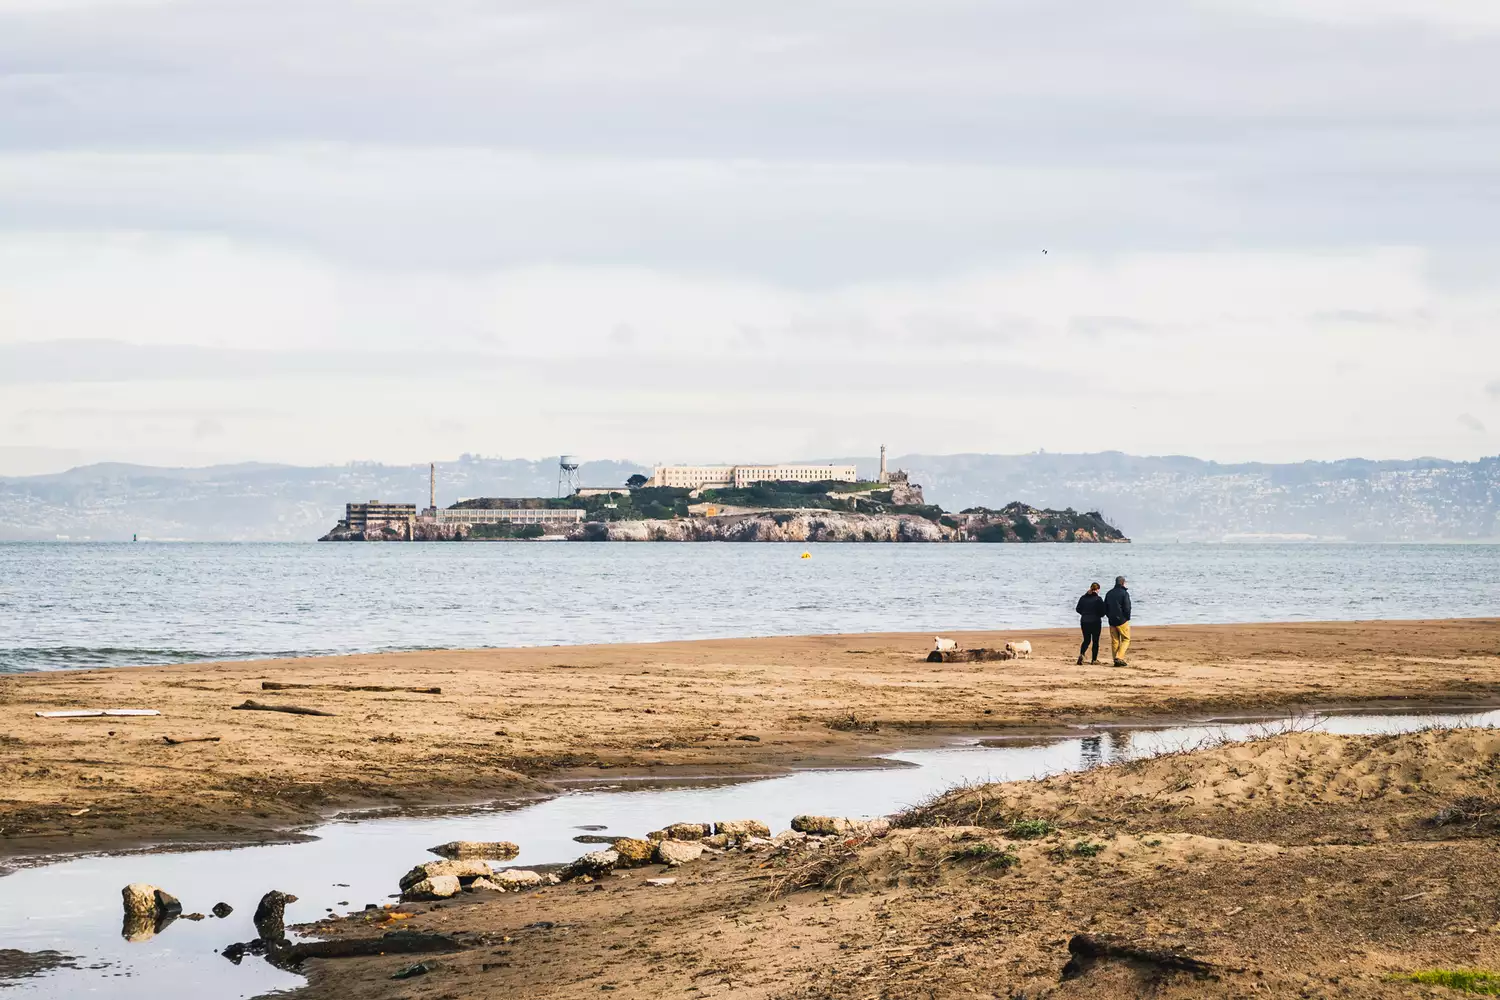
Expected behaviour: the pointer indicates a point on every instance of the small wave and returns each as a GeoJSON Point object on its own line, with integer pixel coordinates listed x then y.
{"type": "Point", "coordinates": [25, 659]}
{"type": "Point", "coordinates": [30, 659]}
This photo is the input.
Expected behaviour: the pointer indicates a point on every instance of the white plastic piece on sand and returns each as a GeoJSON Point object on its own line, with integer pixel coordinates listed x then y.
{"type": "Point", "coordinates": [88, 713]}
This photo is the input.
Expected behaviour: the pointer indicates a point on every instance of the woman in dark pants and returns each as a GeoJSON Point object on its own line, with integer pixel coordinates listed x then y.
{"type": "Point", "coordinates": [1090, 614]}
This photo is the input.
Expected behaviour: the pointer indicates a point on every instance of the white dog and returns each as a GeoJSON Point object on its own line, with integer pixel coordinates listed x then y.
{"type": "Point", "coordinates": [1022, 649]}
{"type": "Point", "coordinates": [942, 645]}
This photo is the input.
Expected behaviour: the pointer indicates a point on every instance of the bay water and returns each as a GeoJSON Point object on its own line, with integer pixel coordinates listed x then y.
{"type": "Point", "coordinates": [111, 604]}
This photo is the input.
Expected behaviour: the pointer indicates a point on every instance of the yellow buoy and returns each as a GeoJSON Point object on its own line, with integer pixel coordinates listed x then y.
{"type": "Point", "coordinates": [807, 555]}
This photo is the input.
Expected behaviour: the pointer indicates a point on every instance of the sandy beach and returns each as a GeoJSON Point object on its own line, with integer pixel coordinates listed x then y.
{"type": "Point", "coordinates": [1304, 865]}
{"type": "Point", "coordinates": [519, 721]}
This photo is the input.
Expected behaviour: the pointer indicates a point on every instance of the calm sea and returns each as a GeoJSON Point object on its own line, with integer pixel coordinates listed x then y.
{"type": "Point", "coordinates": [83, 605]}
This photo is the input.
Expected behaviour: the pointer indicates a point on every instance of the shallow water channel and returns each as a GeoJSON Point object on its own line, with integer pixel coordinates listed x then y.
{"type": "Point", "coordinates": [73, 906]}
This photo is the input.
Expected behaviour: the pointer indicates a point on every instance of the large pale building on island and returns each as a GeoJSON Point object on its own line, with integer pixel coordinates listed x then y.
{"type": "Point", "coordinates": [697, 477]}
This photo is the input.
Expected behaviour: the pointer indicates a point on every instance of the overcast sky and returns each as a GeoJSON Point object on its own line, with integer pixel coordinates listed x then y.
{"type": "Point", "coordinates": [327, 230]}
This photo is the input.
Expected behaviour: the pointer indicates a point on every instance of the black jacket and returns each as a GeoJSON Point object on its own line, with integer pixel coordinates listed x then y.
{"type": "Point", "coordinates": [1090, 608]}
{"type": "Point", "coordinates": [1117, 606]}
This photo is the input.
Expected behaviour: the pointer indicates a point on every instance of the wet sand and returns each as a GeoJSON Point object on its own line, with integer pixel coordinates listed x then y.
{"type": "Point", "coordinates": [1304, 865]}
{"type": "Point", "coordinates": [516, 722]}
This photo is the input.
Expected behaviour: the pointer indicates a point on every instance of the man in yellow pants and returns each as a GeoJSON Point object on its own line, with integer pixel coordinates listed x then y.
{"type": "Point", "coordinates": [1117, 610]}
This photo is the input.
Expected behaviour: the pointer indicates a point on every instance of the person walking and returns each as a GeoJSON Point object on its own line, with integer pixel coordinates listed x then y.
{"type": "Point", "coordinates": [1090, 614]}
{"type": "Point", "coordinates": [1117, 610]}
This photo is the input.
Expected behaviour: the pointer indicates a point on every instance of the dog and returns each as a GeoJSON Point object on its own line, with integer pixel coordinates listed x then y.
{"type": "Point", "coordinates": [1022, 649]}
{"type": "Point", "coordinates": [941, 645]}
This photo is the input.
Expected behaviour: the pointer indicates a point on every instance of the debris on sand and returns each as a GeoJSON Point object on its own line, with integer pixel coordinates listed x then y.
{"type": "Point", "coordinates": [1087, 950]}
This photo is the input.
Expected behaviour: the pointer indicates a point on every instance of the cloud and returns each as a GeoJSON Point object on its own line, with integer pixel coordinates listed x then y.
{"type": "Point", "coordinates": [1471, 422]}
{"type": "Point", "coordinates": [697, 229]}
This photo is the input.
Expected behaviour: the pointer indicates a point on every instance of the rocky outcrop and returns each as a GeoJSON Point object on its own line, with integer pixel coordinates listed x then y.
{"type": "Point", "coordinates": [633, 853]}
{"type": "Point", "coordinates": [736, 830]}
{"type": "Point", "coordinates": [514, 880]}
{"type": "Point", "coordinates": [499, 850]}
{"type": "Point", "coordinates": [774, 526]}
{"type": "Point", "coordinates": [148, 910]}
{"type": "Point", "coordinates": [839, 826]}
{"type": "Point", "coordinates": [436, 887]}
{"type": "Point", "coordinates": [591, 865]}
{"type": "Point", "coordinates": [682, 831]}
{"type": "Point", "coordinates": [678, 852]}
{"type": "Point", "coordinates": [464, 870]}
{"type": "Point", "coordinates": [1015, 522]}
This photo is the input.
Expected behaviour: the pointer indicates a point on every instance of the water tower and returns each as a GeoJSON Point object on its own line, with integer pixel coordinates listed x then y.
{"type": "Point", "coordinates": [567, 475]}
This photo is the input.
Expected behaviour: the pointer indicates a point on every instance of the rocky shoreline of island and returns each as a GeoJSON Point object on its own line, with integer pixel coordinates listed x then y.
{"type": "Point", "coordinates": [1015, 522]}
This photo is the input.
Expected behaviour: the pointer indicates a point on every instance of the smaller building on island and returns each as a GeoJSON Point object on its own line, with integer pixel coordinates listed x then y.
{"type": "Point", "coordinates": [377, 516]}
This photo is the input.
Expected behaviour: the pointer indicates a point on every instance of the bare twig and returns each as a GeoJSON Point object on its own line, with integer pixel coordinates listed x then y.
{"type": "Point", "coordinates": [279, 686]}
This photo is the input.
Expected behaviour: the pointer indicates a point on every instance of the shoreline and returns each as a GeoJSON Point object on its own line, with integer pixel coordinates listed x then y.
{"type": "Point", "coordinates": [645, 779]}
{"type": "Point", "coordinates": [526, 722]}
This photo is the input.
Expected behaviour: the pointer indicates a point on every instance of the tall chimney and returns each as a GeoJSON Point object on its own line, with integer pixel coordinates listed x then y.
{"type": "Point", "coordinates": [432, 485]}
{"type": "Point", "coordinates": [882, 464]}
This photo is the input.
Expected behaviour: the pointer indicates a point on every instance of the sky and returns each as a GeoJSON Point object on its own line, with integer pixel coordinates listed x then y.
{"type": "Point", "coordinates": [319, 231]}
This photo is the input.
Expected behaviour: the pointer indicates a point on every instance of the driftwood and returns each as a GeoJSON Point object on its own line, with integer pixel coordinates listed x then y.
{"type": "Point", "coordinates": [1087, 950]}
{"type": "Point", "coordinates": [94, 713]}
{"type": "Point", "coordinates": [969, 655]}
{"type": "Point", "coordinates": [395, 943]}
{"type": "Point", "coordinates": [283, 955]}
{"type": "Point", "coordinates": [255, 706]}
{"type": "Point", "coordinates": [190, 739]}
{"type": "Point", "coordinates": [278, 686]}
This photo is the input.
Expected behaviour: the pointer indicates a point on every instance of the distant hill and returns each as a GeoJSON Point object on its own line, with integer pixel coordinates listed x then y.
{"type": "Point", "coordinates": [1188, 499]}
{"type": "Point", "coordinates": [1150, 499]}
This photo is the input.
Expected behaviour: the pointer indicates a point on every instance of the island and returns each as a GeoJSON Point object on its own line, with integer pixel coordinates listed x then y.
{"type": "Point", "coordinates": [789, 511]}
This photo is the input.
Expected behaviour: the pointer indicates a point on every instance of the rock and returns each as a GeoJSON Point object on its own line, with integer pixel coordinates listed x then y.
{"type": "Point", "coordinates": [551, 878]}
{"type": "Point", "coordinates": [514, 880]}
{"type": "Point", "coordinates": [788, 837]}
{"type": "Point", "coordinates": [748, 738]}
{"type": "Point", "coordinates": [436, 887]}
{"type": "Point", "coordinates": [633, 853]}
{"type": "Point", "coordinates": [140, 899]}
{"type": "Point", "coordinates": [719, 841]}
{"type": "Point", "coordinates": [682, 831]}
{"type": "Point", "coordinates": [463, 870]}
{"type": "Point", "coordinates": [591, 865]}
{"type": "Point", "coordinates": [167, 904]}
{"type": "Point", "coordinates": [411, 971]}
{"type": "Point", "coordinates": [482, 884]}
{"type": "Point", "coordinates": [840, 826]}
{"type": "Point", "coordinates": [661, 881]}
{"type": "Point", "coordinates": [270, 915]}
{"type": "Point", "coordinates": [756, 843]}
{"type": "Point", "coordinates": [192, 916]}
{"type": "Point", "coordinates": [500, 850]}
{"type": "Point", "coordinates": [222, 910]}
{"type": "Point", "coordinates": [678, 852]}
{"type": "Point", "coordinates": [738, 829]}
